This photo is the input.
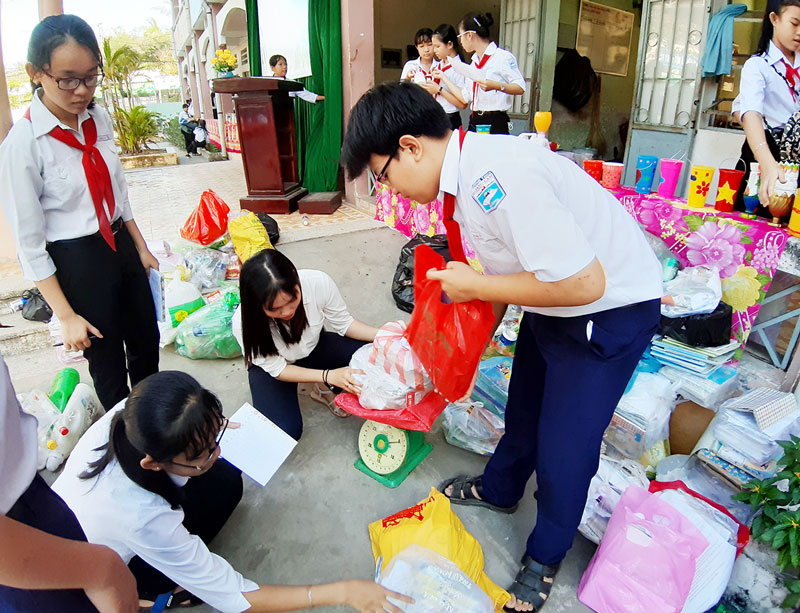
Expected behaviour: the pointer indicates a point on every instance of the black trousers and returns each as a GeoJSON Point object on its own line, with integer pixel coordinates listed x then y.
{"type": "Point", "coordinates": [188, 140]}
{"type": "Point", "coordinates": [41, 508]}
{"type": "Point", "coordinates": [498, 120]}
{"type": "Point", "coordinates": [277, 400]}
{"type": "Point", "coordinates": [111, 291]}
{"type": "Point", "coordinates": [455, 120]}
{"type": "Point", "coordinates": [210, 501]}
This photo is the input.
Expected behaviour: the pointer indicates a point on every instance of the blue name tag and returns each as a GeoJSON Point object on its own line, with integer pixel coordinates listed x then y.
{"type": "Point", "coordinates": [488, 192]}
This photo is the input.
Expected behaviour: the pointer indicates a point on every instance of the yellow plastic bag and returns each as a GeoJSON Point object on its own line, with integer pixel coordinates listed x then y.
{"type": "Point", "coordinates": [432, 524]}
{"type": "Point", "coordinates": [249, 236]}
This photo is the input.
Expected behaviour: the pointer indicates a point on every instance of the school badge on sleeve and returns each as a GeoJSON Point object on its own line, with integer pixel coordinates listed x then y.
{"type": "Point", "coordinates": [488, 192]}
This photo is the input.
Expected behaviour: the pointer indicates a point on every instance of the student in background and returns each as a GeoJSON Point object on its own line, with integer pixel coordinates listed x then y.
{"type": "Point", "coordinates": [147, 481]}
{"type": "Point", "coordinates": [45, 562]}
{"type": "Point", "coordinates": [280, 67]}
{"type": "Point", "coordinates": [200, 136]}
{"type": "Point", "coordinates": [419, 70]}
{"type": "Point", "coordinates": [769, 94]}
{"type": "Point", "coordinates": [490, 97]}
{"type": "Point", "coordinates": [64, 194]}
{"type": "Point", "coordinates": [448, 84]}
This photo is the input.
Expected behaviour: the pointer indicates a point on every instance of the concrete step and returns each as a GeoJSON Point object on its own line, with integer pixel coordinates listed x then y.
{"type": "Point", "coordinates": [12, 287]}
{"type": "Point", "coordinates": [22, 336]}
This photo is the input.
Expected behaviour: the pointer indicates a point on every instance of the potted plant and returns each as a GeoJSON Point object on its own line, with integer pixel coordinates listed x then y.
{"type": "Point", "coordinates": [224, 62]}
{"type": "Point", "coordinates": [779, 521]}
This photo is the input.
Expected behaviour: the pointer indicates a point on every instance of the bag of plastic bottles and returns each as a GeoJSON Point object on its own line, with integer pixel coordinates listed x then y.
{"type": "Point", "coordinates": [207, 334]}
{"type": "Point", "coordinates": [473, 427]}
{"type": "Point", "coordinates": [208, 267]}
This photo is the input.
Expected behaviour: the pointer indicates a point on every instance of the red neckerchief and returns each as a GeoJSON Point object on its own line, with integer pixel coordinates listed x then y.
{"type": "Point", "coordinates": [443, 66]}
{"type": "Point", "coordinates": [792, 77]}
{"type": "Point", "coordinates": [97, 175]}
{"type": "Point", "coordinates": [449, 208]}
{"type": "Point", "coordinates": [475, 85]}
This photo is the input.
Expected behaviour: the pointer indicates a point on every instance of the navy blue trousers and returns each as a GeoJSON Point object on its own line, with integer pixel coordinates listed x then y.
{"type": "Point", "coordinates": [277, 400]}
{"type": "Point", "coordinates": [41, 508]}
{"type": "Point", "coordinates": [563, 391]}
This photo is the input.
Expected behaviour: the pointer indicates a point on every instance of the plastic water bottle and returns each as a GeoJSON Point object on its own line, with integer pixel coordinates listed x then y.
{"type": "Point", "coordinates": [305, 219]}
{"type": "Point", "coordinates": [63, 386]}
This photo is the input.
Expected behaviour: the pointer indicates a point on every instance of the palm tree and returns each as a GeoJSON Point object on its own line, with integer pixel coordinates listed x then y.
{"type": "Point", "coordinates": [119, 66]}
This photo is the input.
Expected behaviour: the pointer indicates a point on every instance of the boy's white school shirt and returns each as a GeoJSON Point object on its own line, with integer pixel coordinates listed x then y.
{"type": "Point", "coordinates": [43, 188]}
{"type": "Point", "coordinates": [763, 88]}
{"type": "Point", "coordinates": [524, 208]}
{"type": "Point", "coordinates": [116, 512]}
{"type": "Point", "coordinates": [323, 304]}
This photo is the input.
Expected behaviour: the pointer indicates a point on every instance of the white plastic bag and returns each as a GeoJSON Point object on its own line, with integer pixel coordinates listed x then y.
{"type": "Point", "coordinates": [607, 487]}
{"type": "Point", "coordinates": [473, 427]}
{"type": "Point", "coordinates": [379, 390]}
{"type": "Point", "coordinates": [37, 403]}
{"type": "Point", "coordinates": [694, 291]}
{"type": "Point", "coordinates": [434, 582]}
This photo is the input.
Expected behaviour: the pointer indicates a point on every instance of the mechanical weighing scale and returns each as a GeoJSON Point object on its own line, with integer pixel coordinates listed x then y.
{"type": "Point", "coordinates": [388, 454]}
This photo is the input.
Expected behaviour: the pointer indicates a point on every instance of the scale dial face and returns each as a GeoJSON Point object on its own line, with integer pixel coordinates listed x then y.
{"type": "Point", "coordinates": [383, 448]}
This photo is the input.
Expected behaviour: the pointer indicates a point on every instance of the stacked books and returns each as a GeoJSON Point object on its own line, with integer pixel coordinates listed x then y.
{"type": "Point", "coordinates": [698, 360]}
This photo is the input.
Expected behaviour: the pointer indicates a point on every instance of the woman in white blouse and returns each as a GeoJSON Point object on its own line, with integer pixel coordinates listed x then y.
{"type": "Point", "coordinates": [769, 94]}
{"type": "Point", "coordinates": [146, 480]}
{"type": "Point", "coordinates": [490, 96]}
{"type": "Point", "coordinates": [279, 326]}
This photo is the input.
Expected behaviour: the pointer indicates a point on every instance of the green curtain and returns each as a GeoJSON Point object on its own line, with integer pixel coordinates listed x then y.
{"type": "Point", "coordinates": [253, 40]}
{"type": "Point", "coordinates": [324, 142]}
{"type": "Point", "coordinates": [302, 126]}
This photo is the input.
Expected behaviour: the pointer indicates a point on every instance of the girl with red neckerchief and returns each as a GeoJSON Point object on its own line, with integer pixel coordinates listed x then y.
{"type": "Point", "coordinates": [447, 85]}
{"type": "Point", "coordinates": [419, 70]}
{"type": "Point", "coordinates": [490, 96]}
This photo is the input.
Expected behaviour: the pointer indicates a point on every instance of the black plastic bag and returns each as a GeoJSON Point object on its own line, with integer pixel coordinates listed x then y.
{"type": "Point", "coordinates": [574, 81]}
{"type": "Point", "coordinates": [403, 281]}
{"type": "Point", "coordinates": [36, 307]}
{"type": "Point", "coordinates": [271, 226]}
{"type": "Point", "coordinates": [708, 330]}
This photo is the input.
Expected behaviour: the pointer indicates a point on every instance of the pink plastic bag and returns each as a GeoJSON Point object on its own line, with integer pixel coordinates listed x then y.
{"type": "Point", "coordinates": [646, 560]}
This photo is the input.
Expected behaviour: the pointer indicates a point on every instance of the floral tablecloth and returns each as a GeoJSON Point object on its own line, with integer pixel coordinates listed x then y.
{"type": "Point", "coordinates": [411, 218]}
{"type": "Point", "coordinates": [746, 252]}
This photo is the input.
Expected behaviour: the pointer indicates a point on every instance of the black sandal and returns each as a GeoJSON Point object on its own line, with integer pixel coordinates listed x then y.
{"type": "Point", "coordinates": [533, 583]}
{"type": "Point", "coordinates": [462, 493]}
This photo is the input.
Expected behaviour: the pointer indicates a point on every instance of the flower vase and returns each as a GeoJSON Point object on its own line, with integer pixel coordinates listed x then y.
{"type": "Point", "coordinates": [751, 192]}
{"type": "Point", "coordinates": [228, 74]}
{"type": "Point", "coordinates": [782, 201]}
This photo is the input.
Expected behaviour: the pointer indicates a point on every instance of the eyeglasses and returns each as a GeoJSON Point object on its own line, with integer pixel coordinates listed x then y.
{"type": "Point", "coordinates": [206, 464]}
{"type": "Point", "coordinates": [382, 174]}
{"type": "Point", "coordinates": [71, 83]}
{"type": "Point", "coordinates": [465, 32]}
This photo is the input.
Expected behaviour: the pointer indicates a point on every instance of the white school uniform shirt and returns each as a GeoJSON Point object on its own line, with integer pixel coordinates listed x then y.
{"type": "Point", "coordinates": [18, 444]}
{"type": "Point", "coordinates": [303, 94]}
{"type": "Point", "coordinates": [763, 88]}
{"type": "Point", "coordinates": [184, 117]}
{"type": "Point", "coordinates": [116, 512]}
{"type": "Point", "coordinates": [501, 66]}
{"type": "Point", "coordinates": [525, 208]}
{"type": "Point", "coordinates": [324, 306]}
{"type": "Point", "coordinates": [420, 74]}
{"type": "Point", "coordinates": [200, 135]}
{"type": "Point", "coordinates": [43, 188]}
{"type": "Point", "coordinates": [458, 81]}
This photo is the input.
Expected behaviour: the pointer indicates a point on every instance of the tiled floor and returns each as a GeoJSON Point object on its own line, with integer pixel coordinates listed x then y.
{"type": "Point", "coordinates": [162, 199]}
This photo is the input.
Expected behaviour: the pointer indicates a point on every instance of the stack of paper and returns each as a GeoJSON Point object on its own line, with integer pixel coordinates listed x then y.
{"type": "Point", "coordinates": [700, 360]}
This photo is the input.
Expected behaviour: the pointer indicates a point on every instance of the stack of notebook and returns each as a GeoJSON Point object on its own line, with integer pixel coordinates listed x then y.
{"type": "Point", "coordinates": [698, 360]}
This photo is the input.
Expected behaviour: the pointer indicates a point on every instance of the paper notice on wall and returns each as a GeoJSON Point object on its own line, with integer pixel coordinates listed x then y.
{"type": "Point", "coordinates": [257, 446]}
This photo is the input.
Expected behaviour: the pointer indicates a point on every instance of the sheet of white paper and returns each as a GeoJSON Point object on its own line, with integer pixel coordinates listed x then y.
{"type": "Point", "coordinates": [466, 70]}
{"type": "Point", "coordinates": [157, 289]}
{"type": "Point", "coordinates": [257, 447]}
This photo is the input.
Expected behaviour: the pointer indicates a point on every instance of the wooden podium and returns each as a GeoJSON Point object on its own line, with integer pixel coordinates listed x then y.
{"type": "Point", "coordinates": [265, 116]}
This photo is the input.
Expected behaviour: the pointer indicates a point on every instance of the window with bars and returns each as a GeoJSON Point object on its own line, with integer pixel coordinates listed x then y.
{"type": "Point", "coordinates": [519, 34]}
{"type": "Point", "coordinates": [243, 57]}
{"type": "Point", "coordinates": [670, 63]}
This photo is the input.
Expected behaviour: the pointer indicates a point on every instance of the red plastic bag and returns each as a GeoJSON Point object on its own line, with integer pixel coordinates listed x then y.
{"type": "Point", "coordinates": [208, 221]}
{"type": "Point", "coordinates": [416, 417]}
{"type": "Point", "coordinates": [447, 338]}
